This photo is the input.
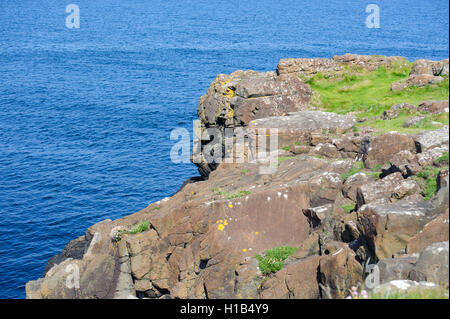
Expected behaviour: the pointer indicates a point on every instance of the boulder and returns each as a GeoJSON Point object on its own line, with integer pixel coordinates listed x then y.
{"type": "Point", "coordinates": [430, 139]}
{"type": "Point", "coordinates": [338, 270]}
{"type": "Point", "coordinates": [380, 190]}
{"type": "Point", "coordinates": [396, 109]}
{"type": "Point", "coordinates": [432, 265]}
{"type": "Point", "coordinates": [406, 188]}
{"type": "Point", "coordinates": [296, 281]}
{"type": "Point", "coordinates": [435, 107]}
{"type": "Point", "coordinates": [436, 68]}
{"type": "Point", "coordinates": [386, 228]}
{"type": "Point", "coordinates": [383, 147]}
{"type": "Point", "coordinates": [433, 232]}
{"type": "Point", "coordinates": [396, 268]}
{"type": "Point", "coordinates": [352, 184]}
{"type": "Point", "coordinates": [413, 121]}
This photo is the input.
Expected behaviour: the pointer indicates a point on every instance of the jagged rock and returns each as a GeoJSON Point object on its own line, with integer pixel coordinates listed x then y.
{"type": "Point", "coordinates": [412, 121]}
{"type": "Point", "coordinates": [234, 100]}
{"type": "Point", "coordinates": [338, 270]}
{"type": "Point", "coordinates": [300, 126]}
{"type": "Point", "coordinates": [306, 66]}
{"type": "Point", "coordinates": [437, 68]}
{"type": "Point", "coordinates": [383, 147]}
{"type": "Point", "coordinates": [428, 157]}
{"type": "Point", "coordinates": [317, 214]}
{"type": "Point", "coordinates": [395, 268]}
{"type": "Point", "coordinates": [379, 190]}
{"type": "Point", "coordinates": [406, 188]}
{"type": "Point", "coordinates": [396, 109]}
{"type": "Point", "coordinates": [430, 139]}
{"type": "Point", "coordinates": [432, 265]}
{"type": "Point", "coordinates": [433, 232]}
{"type": "Point", "coordinates": [387, 227]}
{"type": "Point", "coordinates": [423, 80]}
{"type": "Point", "coordinates": [369, 62]}
{"type": "Point", "coordinates": [325, 186]}
{"type": "Point", "coordinates": [435, 107]}
{"type": "Point", "coordinates": [352, 183]}
{"type": "Point", "coordinates": [326, 150]}
{"type": "Point", "coordinates": [300, 149]}
{"type": "Point", "coordinates": [296, 281]}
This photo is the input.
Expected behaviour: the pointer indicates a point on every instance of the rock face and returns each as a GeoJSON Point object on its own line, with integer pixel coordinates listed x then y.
{"type": "Point", "coordinates": [325, 196]}
{"type": "Point", "coordinates": [433, 265]}
{"type": "Point", "coordinates": [236, 99]}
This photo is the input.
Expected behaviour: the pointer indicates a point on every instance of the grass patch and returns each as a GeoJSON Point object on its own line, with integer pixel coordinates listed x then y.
{"type": "Point", "coordinates": [283, 158]}
{"type": "Point", "coordinates": [348, 208]}
{"type": "Point", "coordinates": [412, 294]}
{"type": "Point", "coordinates": [139, 228]}
{"type": "Point", "coordinates": [244, 171]}
{"type": "Point", "coordinates": [236, 195]}
{"type": "Point", "coordinates": [443, 159]}
{"type": "Point", "coordinates": [286, 148]}
{"type": "Point", "coordinates": [357, 167]}
{"type": "Point", "coordinates": [368, 94]}
{"type": "Point", "coordinates": [427, 179]}
{"type": "Point", "coordinates": [273, 259]}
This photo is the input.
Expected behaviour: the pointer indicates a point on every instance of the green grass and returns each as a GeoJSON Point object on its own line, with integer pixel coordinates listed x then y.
{"type": "Point", "coordinates": [236, 195]}
{"type": "Point", "coordinates": [412, 294]}
{"type": "Point", "coordinates": [156, 208]}
{"type": "Point", "coordinates": [357, 167]}
{"type": "Point", "coordinates": [139, 228]}
{"type": "Point", "coordinates": [298, 143]}
{"type": "Point", "coordinates": [369, 95]}
{"type": "Point", "coordinates": [286, 148]}
{"type": "Point", "coordinates": [283, 158]}
{"type": "Point", "coordinates": [244, 171]}
{"type": "Point", "coordinates": [442, 159]}
{"type": "Point", "coordinates": [348, 208]}
{"type": "Point", "coordinates": [274, 258]}
{"type": "Point", "coordinates": [427, 179]}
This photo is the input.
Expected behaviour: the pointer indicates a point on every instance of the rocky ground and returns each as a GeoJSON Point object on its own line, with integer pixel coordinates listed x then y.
{"type": "Point", "coordinates": [361, 181]}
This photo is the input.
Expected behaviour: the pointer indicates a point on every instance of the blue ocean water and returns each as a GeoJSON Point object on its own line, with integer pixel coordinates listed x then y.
{"type": "Point", "coordinates": [86, 114]}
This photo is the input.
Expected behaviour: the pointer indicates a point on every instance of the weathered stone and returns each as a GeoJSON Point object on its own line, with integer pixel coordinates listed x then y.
{"type": "Point", "coordinates": [396, 109]}
{"type": "Point", "coordinates": [433, 232]}
{"type": "Point", "coordinates": [395, 268]}
{"type": "Point", "coordinates": [379, 190]}
{"type": "Point", "coordinates": [383, 147]}
{"type": "Point", "coordinates": [352, 183]}
{"type": "Point", "coordinates": [430, 139]}
{"type": "Point", "coordinates": [300, 126]}
{"type": "Point", "coordinates": [296, 281]}
{"type": "Point", "coordinates": [388, 227]}
{"type": "Point", "coordinates": [428, 157]}
{"type": "Point", "coordinates": [435, 107]}
{"type": "Point", "coordinates": [433, 264]}
{"type": "Point", "coordinates": [413, 121]}
{"type": "Point", "coordinates": [436, 68]}
{"type": "Point", "coordinates": [338, 270]}
{"type": "Point", "coordinates": [317, 214]}
{"type": "Point", "coordinates": [306, 66]}
{"type": "Point", "coordinates": [369, 62]}
{"type": "Point", "coordinates": [406, 188]}
{"type": "Point", "coordinates": [423, 80]}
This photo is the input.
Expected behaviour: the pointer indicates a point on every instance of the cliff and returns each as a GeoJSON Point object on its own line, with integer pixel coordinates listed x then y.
{"type": "Point", "coordinates": [360, 179]}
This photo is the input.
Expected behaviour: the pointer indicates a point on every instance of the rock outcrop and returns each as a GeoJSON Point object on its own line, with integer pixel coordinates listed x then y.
{"type": "Point", "coordinates": [344, 197]}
